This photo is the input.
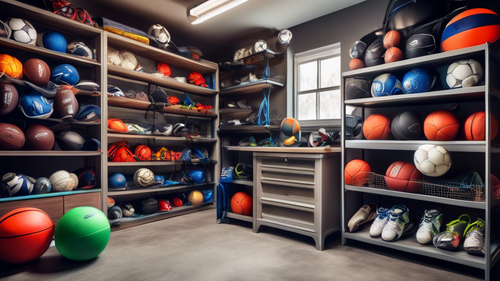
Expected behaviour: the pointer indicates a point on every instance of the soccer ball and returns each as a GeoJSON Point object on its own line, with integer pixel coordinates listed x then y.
{"type": "Point", "coordinates": [432, 160]}
{"type": "Point", "coordinates": [114, 56]}
{"type": "Point", "coordinates": [144, 177]}
{"type": "Point", "coordinates": [22, 31]}
{"type": "Point", "coordinates": [128, 60]}
{"type": "Point", "coordinates": [418, 80]}
{"type": "Point", "coordinates": [464, 73]}
{"type": "Point", "coordinates": [386, 85]}
{"type": "Point", "coordinates": [160, 35]}
{"type": "Point", "coordinates": [80, 49]}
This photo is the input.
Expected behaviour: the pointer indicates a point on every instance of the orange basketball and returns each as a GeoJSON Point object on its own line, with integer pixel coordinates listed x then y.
{"type": "Point", "coordinates": [11, 66]}
{"type": "Point", "coordinates": [164, 69]}
{"type": "Point", "coordinates": [441, 125]}
{"type": "Point", "coordinates": [393, 54]}
{"type": "Point", "coordinates": [474, 126]}
{"type": "Point", "coordinates": [392, 39]}
{"type": "Point", "coordinates": [241, 203]}
{"type": "Point", "coordinates": [356, 64]}
{"type": "Point", "coordinates": [401, 175]}
{"type": "Point", "coordinates": [376, 127]}
{"type": "Point", "coordinates": [356, 172]}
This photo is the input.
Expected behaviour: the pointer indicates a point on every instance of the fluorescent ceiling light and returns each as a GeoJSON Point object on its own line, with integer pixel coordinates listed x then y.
{"type": "Point", "coordinates": [212, 8]}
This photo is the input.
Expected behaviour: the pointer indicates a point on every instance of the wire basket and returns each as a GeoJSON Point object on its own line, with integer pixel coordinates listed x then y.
{"type": "Point", "coordinates": [469, 186]}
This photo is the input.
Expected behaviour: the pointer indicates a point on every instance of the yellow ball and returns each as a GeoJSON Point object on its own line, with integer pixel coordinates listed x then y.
{"type": "Point", "coordinates": [195, 197]}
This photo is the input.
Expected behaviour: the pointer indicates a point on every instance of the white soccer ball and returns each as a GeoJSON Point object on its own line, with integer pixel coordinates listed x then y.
{"type": "Point", "coordinates": [432, 160]}
{"type": "Point", "coordinates": [114, 57]}
{"type": "Point", "coordinates": [128, 60]}
{"type": "Point", "coordinates": [160, 34]}
{"type": "Point", "coordinates": [144, 177]}
{"type": "Point", "coordinates": [22, 31]}
{"type": "Point", "coordinates": [464, 73]}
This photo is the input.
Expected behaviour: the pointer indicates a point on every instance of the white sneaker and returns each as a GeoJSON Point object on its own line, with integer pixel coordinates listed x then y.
{"type": "Point", "coordinates": [398, 222]}
{"type": "Point", "coordinates": [474, 238]}
{"type": "Point", "coordinates": [379, 222]}
{"type": "Point", "coordinates": [430, 225]}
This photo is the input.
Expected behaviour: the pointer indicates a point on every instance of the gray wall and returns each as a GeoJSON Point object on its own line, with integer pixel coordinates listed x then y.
{"type": "Point", "coordinates": [345, 26]}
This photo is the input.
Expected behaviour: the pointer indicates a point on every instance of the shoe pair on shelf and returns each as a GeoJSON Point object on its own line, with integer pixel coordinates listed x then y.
{"type": "Point", "coordinates": [459, 229]}
{"type": "Point", "coordinates": [391, 224]}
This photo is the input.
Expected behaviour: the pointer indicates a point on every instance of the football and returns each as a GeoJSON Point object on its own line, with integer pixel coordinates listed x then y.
{"type": "Point", "coordinates": [11, 137]}
{"type": "Point", "coordinates": [37, 71]}
{"type": "Point", "coordinates": [80, 49]}
{"type": "Point", "coordinates": [39, 137]}
{"type": "Point", "coordinates": [144, 177]}
{"type": "Point", "coordinates": [22, 31]}
{"type": "Point", "coordinates": [128, 60]}
{"type": "Point", "coordinates": [9, 98]}
{"type": "Point", "coordinates": [160, 35]}
{"type": "Point", "coordinates": [66, 105]}
{"type": "Point", "coordinates": [432, 160]}
{"type": "Point", "coordinates": [464, 73]}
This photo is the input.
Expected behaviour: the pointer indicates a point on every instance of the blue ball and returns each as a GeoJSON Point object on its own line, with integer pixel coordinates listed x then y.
{"type": "Point", "coordinates": [65, 74]}
{"type": "Point", "coordinates": [117, 181]}
{"type": "Point", "coordinates": [196, 174]}
{"type": "Point", "coordinates": [54, 41]}
{"type": "Point", "coordinates": [386, 85]}
{"type": "Point", "coordinates": [418, 80]}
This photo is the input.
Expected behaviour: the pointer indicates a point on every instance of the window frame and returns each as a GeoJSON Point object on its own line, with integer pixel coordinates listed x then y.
{"type": "Point", "coordinates": [317, 54]}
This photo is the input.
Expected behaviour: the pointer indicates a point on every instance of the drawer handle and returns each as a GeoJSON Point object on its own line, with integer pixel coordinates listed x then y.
{"type": "Point", "coordinates": [287, 181]}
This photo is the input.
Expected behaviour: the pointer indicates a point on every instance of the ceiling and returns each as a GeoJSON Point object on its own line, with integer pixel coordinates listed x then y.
{"type": "Point", "coordinates": [216, 33]}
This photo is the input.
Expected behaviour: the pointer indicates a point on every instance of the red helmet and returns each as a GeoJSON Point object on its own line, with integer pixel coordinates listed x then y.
{"type": "Point", "coordinates": [197, 79]}
{"type": "Point", "coordinates": [164, 205]}
{"type": "Point", "coordinates": [143, 152]}
{"type": "Point", "coordinates": [173, 100]}
{"type": "Point", "coordinates": [123, 154]}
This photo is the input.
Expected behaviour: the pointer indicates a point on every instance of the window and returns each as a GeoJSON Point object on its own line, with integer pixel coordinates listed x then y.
{"type": "Point", "coordinates": [317, 83]}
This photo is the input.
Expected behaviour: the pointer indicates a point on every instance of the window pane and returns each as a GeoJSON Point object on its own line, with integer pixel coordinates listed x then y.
{"type": "Point", "coordinates": [308, 79]}
{"type": "Point", "coordinates": [329, 104]}
{"type": "Point", "coordinates": [306, 107]}
{"type": "Point", "coordinates": [330, 72]}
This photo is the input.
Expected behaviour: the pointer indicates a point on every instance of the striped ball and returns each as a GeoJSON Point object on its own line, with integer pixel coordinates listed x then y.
{"type": "Point", "coordinates": [470, 28]}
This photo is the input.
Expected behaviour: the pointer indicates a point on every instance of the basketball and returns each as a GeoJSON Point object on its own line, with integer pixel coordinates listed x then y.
{"type": "Point", "coordinates": [376, 127]}
{"type": "Point", "coordinates": [143, 152]}
{"type": "Point", "coordinates": [474, 126]}
{"type": "Point", "coordinates": [393, 54]}
{"type": "Point", "coordinates": [82, 233]}
{"type": "Point", "coordinates": [9, 97]}
{"type": "Point", "coordinates": [356, 172]}
{"type": "Point", "coordinates": [392, 39]}
{"type": "Point", "coordinates": [441, 125]}
{"type": "Point", "coordinates": [25, 235]}
{"type": "Point", "coordinates": [37, 71]}
{"type": "Point", "coordinates": [241, 203]}
{"type": "Point", "coordinates": [374, 53]}
{"type": "Point", "coordinates": [400, 176]}
{"type": "Point", "coordinates": [470, 28]}
{"type": "Point", "coordinates": [63, 181]}
{"type": "Point", "coordinates": [39, 137]}
{"type": "Point", "coordinates": [11, 66]}
{"type": "Point", "coordinates": [406, 126]}
{"type": "Point", "coordinates": [195, 197]}
{"type": "Point", "coordinates": [290, 126]}
{"type": "Point", "coordinates": [11, 137]}
{"type": "Point", "coordinates": [164, 69]}
{"type": "Point", "coordinates": [356, 64]}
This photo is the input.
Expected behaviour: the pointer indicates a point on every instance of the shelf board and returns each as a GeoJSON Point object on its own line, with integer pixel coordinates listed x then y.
{"type": "Point", "coordinates": [242, 182]}
{"type": "Point", "coordinates": [156, 189]}
{"type": "Point", "coordinates": [248, 128]}
{"type": "Point", "coordinates": [160, 55]}
{"type": "Point", "coordinates": [232, 215]}
{"type": "Point", "coordinates": [50, 194]}
{"type": "Point", "coordinates": [59, 153]}
{"type": "Point", "coordinates": [156, 163]}
{"type": "Point", "coordinates": [40, 51]}
{"type": "Point", "coordinates": [162, 138]}
{"type": "Point", "coordinates": [468, 93]}
{"type": "Point", "coordinates": [260, 56]}
{"type": "Point", "coordinates": [409, 244]}
{"type": "Point", "coordinates": [49, 19]}
{"type": "Point", "coordinates": [417, 196]}
{"type": "Point", "coordinates": [459, 146]}
{"type": "Point", "coordinates": [249, 88]}
{"type": "Point", "coordinates": [142, 105]}
{"type": "Point", "coordinates": [326, 149]}
{"type": "Point", "coordinates": [169, 83]}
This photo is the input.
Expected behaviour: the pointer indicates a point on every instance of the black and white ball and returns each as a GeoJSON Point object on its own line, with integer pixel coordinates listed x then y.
{"type": "Point", "coordinates": [144, 177]}
{"type": "Point", "coordinates": [160, 34]}
{"type": "Point", "coordinates": [127, 209]}
{"type": "Point", "coordinates": [464, 73]}
{"type": "Point", "coordinates": [80, 49]}
{"type": "Point", "coordinates": [22, 31]}
{"type": "Point", "coordinates": [18, 184]}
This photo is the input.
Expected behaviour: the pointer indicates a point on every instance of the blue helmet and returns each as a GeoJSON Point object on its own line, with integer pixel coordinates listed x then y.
{"type": "Point", "coordinates": [418, 80]}
{"type": "Point", "coordinates": [196, 174]}
{"type": "Point", "coordinates": [34, 105]}
{"type": "Point", "coordinates": [65, 74]}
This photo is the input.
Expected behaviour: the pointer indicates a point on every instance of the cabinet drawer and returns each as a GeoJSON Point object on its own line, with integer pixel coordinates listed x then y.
{"type": "Point", "coordinates": [53, 206]}
{"type": "Point", "coordinates": [288, 217]}
{"type": "Point", "coordinates": [301, 196]}
{"type": "Point", "coordinates": [288, 163]}
{"type": "Point", "coordinates": [85, 199]}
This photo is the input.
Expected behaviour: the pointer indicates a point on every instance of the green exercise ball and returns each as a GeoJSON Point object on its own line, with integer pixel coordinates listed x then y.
{"type": "Point", "coordinates": [82, 233]}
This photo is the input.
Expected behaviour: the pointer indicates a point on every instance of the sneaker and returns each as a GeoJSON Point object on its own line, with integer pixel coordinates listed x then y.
{"type": "Point", "coordinates": [474, 238]}
{"type": "Point", "coordinates": [429, 226]}
{"type": "Point", "coordinates": [398, 222]}
{"type": "Point", "coordinates": [379, 222]}
{"type": "Point", "coordinates": [450, 239]}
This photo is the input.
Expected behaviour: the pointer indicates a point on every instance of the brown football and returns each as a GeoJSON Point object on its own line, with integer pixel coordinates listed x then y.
{"type": "Point", "coordinates": [11, 137]}
{"type": "Point", "coordinates": [8, 98]}
{"type": "Point", "coordinates": [39, 137]}
{"type": "Point", "coordinates": [65, 104]}
{"type": "Point", "coordinates": [37, 72]}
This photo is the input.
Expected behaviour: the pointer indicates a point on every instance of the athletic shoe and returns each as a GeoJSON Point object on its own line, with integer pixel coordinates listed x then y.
{"type": "Point", "coordinates": [365, 214]}
{"type": "Point", "coordinates": [450, 239]}
{"type": "Point", "coordinates": [429, 226]}
{"type": "Point", "coordinates": [379, 222]}
{"type": "Point", "coordinates": [474, 238]}
{"type": "Point", "coordinates": [163, 129]}
{"type": "Point", "coordinates": [398, 222]}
